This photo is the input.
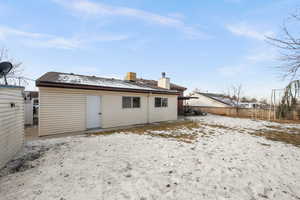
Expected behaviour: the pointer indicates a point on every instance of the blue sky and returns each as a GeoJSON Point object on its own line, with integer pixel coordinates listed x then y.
{"type": "Point", "coordinates": [210, 45]}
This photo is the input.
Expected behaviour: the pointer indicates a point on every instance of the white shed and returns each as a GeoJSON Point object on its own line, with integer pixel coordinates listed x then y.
{"type": "Point", "coordinates": [71, 103]}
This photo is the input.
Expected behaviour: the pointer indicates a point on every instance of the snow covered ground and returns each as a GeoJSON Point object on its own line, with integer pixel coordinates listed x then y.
{"type": "Point", "coordinates": [223, 161]}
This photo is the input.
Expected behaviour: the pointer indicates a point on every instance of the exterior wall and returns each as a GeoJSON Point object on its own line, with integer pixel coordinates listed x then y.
{"type": "Point", "coordinates": [163, 114]}
{"type": "Point", "coordinates": [204, 101]}
{"type": "Point", "coordinates": [114, 115]}
{"type": "Point", "coordinates": [64, 110]}
{"type": "Point", "coordinates": [11, 122]}
{"type": "Point", "coordinates": [61, 111]}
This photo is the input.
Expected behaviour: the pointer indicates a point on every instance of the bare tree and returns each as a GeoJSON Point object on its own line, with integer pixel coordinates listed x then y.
{"type": "Point", "coordinates": [15, 73]}
{"type": "Point", "coordinates": [237, 93]}
{"type": "Point", "coordinates": [289, 45]}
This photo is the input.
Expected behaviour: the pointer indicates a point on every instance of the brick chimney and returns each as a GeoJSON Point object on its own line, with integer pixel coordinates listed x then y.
{"type": "Point", "coordinates": [164, 82]}
{"type": "Point", "coordinates": [130, 76]}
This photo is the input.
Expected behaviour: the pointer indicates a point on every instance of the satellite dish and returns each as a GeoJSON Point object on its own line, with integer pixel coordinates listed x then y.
{"type": "Point", "coordinates": [5, 68]}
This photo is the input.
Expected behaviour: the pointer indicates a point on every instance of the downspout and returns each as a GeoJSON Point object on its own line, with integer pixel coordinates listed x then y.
{"type": "Point", "coordinates": [148, 107]}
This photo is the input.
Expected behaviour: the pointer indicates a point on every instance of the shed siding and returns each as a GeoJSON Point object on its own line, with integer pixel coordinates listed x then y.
{"type": "Point", "coordinates": [11, 123]}
{"type": "Point", "coordinates": [64, 110]}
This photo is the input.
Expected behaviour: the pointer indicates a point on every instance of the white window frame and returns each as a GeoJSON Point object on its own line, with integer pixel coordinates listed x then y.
{"type": "Point", "coordinates": [161, 102]}
{"type": "Point", "coordinates": [131, 102]}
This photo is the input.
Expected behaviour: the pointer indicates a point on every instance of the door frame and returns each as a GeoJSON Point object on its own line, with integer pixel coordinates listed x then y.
{"type": "Point", "coordinates": [100, 111]}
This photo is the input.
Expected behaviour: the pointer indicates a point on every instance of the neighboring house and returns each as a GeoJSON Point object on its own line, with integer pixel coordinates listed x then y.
{"type": "Point", "coordinates": [210, 100]}
{"type": "Point", "coordinates": [31, 95]}
{"type": "Point", "coordinates": [250, 105]}
{"type": "Point", "coordinates": [31, 100]}
{"type": "Point", "coordinates": [70, 102]}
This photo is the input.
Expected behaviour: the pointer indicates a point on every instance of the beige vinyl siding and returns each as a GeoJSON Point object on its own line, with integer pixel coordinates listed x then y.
{"type": "Point", "coordinates": [61, 112]}
{"type": "Point", "coordinates": [64, 110]}
{"type": "Point", "coordinates": [11, 123]}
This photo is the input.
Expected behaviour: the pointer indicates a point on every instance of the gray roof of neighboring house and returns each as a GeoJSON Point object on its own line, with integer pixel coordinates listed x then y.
{"type": "Point", "coordinates": [220, 98]}
{"type": "Point", "coordinates": [12, 86]}
{"type": "Point", "coordinates": [69, 80]}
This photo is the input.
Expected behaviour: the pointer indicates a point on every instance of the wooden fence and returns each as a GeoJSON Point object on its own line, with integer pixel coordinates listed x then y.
{"type": "Point", "coordinates": [264, 114]}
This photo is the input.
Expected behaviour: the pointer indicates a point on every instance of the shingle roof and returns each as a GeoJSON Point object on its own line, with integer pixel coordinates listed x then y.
{"type": "Point", "coordinates": [220, 98]}
{"type": "Point", "coordinates": [69, 80]}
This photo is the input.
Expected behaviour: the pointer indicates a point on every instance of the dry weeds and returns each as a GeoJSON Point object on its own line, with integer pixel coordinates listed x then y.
{"type": "Point", "coordinates": [279, 136]}
{"type": "Point", "coordinates": [218, 126]}
{"type": "Point", "coordinates": [177, 130]}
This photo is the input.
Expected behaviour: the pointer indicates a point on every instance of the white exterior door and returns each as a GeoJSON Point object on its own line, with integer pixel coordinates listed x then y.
{"type": "Point", "coordinates": [93, 109]}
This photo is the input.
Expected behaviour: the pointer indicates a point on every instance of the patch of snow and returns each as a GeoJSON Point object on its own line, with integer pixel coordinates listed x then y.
{"type": "Point", "coordinates": [226, 165]}
{"type": "Point", "coordinates": [76, 79]}
{"type": "Point", "coordinates": [241, 123]}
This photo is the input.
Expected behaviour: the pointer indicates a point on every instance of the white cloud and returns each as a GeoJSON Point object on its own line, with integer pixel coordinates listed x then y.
{"type": "Point", "coordinates": [262, 53]}
{"type": "Point", "coordinates": [89, 8]}
{"type": "Point", "coordinates": [56, 42]}
{"type": "Point", "coordinates": [262, 57]}
{"type": "Point", "coordinates": [244, 30]}
{"type": "Point", "coordinates": [53, 41]}
{"type": "Point", "coordinates": [257, 56]}
{"type": "Point", "coordinates": [6, 31]}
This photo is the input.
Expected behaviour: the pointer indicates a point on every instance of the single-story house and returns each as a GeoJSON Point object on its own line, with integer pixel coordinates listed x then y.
{"type": "Point", "coordinates": [210, 100]}
{"type": "Point", "coordinates": [71, 102]}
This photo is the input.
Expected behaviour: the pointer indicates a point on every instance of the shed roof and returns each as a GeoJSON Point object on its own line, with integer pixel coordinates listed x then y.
{"type": "Point", "coordinates": [75, 81]}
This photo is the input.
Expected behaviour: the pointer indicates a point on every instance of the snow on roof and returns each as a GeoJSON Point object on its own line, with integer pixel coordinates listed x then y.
{"type": "Point", "coordinates": [225, 100]}
{"type": "Point", "coordinates": [59, 79]}
{"type": "Point", "coordinates": [94, 81]}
